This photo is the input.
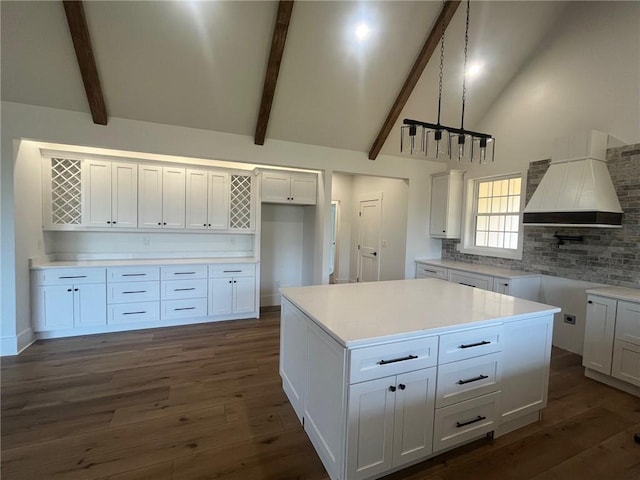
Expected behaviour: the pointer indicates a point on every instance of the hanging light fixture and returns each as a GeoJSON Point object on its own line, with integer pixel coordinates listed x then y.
{"type": "Point", "coordinates": [436, 140]}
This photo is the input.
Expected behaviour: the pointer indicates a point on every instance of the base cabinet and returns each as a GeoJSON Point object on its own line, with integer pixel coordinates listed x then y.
{"type": "Point", "coordinates": [390, 422]}
{"type": "Point", "coordinates": [69, 306]}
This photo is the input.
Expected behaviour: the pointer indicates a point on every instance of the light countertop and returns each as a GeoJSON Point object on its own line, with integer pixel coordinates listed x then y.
{"type": "Point", "coordinates": [357, 313]}
{"type": "Point", "coordinates": [619, 293]}
{"type": "Point", "coordinates": [38, 264]}
{"type": "Point", "coordinates": [476, 268]}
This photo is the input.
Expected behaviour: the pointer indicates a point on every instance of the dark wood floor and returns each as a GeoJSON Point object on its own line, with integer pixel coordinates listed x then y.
{"type": "Point", "coordinates": [205, 401]}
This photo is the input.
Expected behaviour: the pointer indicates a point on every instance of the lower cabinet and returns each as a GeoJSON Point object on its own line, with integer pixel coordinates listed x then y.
{"type": "Point", "coordinates": [390, 422]}
{"type": "Point", "coordinates": [69, 306]}
{"type": "Point", "coordinates": [599, 333]}
{"type": "Point", "coordinates": [232, 289]}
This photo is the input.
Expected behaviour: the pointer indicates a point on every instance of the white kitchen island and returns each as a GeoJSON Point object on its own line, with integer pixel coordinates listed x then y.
{"type": "Point", "coordinates": [383, 375]}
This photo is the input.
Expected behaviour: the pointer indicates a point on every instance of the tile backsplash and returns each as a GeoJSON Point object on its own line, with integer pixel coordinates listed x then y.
{"type": "Point", "coordinates": [607, 255]}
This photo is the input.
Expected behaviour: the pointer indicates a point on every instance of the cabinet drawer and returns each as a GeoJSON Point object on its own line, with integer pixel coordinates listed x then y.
{"type": "Point", "coordinates": [133, 274]}
{"type": "Point", "coordinates": [193, 307]}
{"type": "Point", "coordinates": [133, 312]}
{"type": "Point", "coordinates": [626, 362]}
{"type": "Point", "coordinates": [180, 272]}
{"type": "Point", "coordinates": [392, 358]}
{"type": "Point", "coordinates": [127, 292]}
{"type": "Point", "coordinates": [232, 270]}
{"type": "Point", "coordinates": [465, 421]}
{"type": "Point", "coordinates": [628, 322]}
{"type": "Point", "coordinates": [459, 381]}
{"type": "Point", "coordinates": [66, 276]}
{"type": "Point", "coordinates": [176, 289]}
{"type": "Point", "coordinates": [430, 271]}
{"type": "Point", "coordinates": [471, 279]}
{"type": "Point", "coordinates": [470, 343]}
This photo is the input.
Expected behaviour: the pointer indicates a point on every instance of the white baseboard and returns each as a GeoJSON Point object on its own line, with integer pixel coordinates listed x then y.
{"type": "Point", "coordinates": [14, 345]}
{"type": "Point", "coordinates": [25, 338]}
{"type": "Point", "coordinates": [270, 300]}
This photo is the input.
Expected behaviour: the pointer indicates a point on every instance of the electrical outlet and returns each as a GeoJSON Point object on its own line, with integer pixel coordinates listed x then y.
{"type": "Point", "coordinates": [570, 319]}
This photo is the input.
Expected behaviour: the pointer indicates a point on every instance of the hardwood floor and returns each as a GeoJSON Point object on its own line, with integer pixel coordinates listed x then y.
{"type": "Point", "coordinates": [205, 401]}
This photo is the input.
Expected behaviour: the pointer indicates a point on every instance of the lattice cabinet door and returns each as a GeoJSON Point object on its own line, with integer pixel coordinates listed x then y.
{"type": "Point", "coordinates": [62, 193]}
{"type": "Point", "coordinates": [241, 202]}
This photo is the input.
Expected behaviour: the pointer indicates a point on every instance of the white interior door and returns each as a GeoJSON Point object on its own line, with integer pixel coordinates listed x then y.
{"type": "Point", "coordinates": [369, 237]}
{"type": "Point", "coordinates": [335, 205]}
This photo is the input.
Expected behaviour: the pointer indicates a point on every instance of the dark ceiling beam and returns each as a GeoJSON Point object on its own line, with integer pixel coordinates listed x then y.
{"type": "Point", "coordinates": [86, 61]}
{"type": "Point", "coordinates": [283, 19]}
{"type": "Point", "coordinates": [446, 14]}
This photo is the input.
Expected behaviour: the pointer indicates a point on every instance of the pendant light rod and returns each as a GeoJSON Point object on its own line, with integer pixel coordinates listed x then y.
{"type": "Point", "coordinates": [436, 126]}
{"type": "Point", "coordinates": [464, 68]}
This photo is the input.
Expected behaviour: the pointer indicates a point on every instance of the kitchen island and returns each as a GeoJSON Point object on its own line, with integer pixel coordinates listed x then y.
{"type": "Point", "coordinates": [383, 375]}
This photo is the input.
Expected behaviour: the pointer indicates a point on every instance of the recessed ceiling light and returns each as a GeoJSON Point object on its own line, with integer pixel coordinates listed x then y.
{"type": "Point", "coordinates": [474, 69]}
{"type": "Point", "coordinates": [362, 31]}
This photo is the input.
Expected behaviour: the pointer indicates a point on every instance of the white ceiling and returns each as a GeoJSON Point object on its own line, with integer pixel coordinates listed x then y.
{"type": "Point", "coordinates": [202, 64]}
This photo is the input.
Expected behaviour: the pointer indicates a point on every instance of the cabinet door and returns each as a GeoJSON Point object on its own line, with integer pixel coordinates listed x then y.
{"type": "Point", "coordinates": [96, 185]}
{"type": "Point", "coordinates": [303, 189]}
{"type": "Point", "coordinates": [54, 307]}
{"type": "Point", "coordinates": [244, 294]}
{"type": "Point", "coordinates": [471, 279]}
{"type": "Point", "coordinates": [501, 285]}
{"type": "Point", "coordinates": [220, 296]}
{"type": "Point", "coordinates": [439, 198]}
{"type": "Point", "coordinates": [90, 305]}
{"type": "Point", "coordinates": [173, 197]}
{"type": "Point", "coordinates": [149, 196]}
{"type": "Point", "coordinates": [293, 355]}
{"type": "Point", "coordinates": [599, 333]}
{"type": "Point", "coordinates": [218, 200]}
{"type": "Point", "coordinates": [628, 322]}
{"type": "Point", "coordinates": [526, 357]}
{"type": "Point", "coordinates": [370, 427]}
{"type": "Point", "coordinates": [196, 199]}
{"type": "Point", "coordinates": [414, 409]}
{"type": "Point", "coordinates": [124, 195]}
{"type": "Point", "coordinates": [276, 187]}
{"type": "Point", "coordinates": [626, 362]}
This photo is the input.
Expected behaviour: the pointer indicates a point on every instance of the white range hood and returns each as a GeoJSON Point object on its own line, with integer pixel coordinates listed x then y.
{"type": "Point", "coordinates": [576, 190]}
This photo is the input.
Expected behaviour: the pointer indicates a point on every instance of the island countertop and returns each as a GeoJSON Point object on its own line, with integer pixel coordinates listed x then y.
{"type": "Point", "coordinates": [359, 313]}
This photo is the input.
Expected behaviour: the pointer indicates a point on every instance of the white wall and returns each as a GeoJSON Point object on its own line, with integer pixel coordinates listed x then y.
{"type": "Point", "coordinates": [144, 140]}
{"type": "Point", "coordinates": [393, 225]}
{"type": "Point", "coordinates": [280, 250]}
{"type": "Point", "coordinates": [342, 191]}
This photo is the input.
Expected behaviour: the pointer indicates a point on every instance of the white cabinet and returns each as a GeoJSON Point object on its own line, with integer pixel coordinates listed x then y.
{"type": "Point", "coordinates": [69, 298]}
{"type": "Point", "coordinates": [289, 187]}
{"type": "Point", "coordinates": [183, 291]}
{"type": "Point", "coordinates": [599, 332]}
{"type": "Point", "coordinates": [133, 295]}
{"type": "Point", "coordinates": [293, 359]}
{"type": "Point", "coordinates": [522, 287]}
{"type": "Point", "coordinates": [469, 279]}
{"type": "Point", "coordinates": [232, 289]}
{"type": "Point", "coordinates": [446, 204]}
{"type": "Point", "coordinates": [207, 199]}
{"type": "Point", "coordinates": [110, 194]}
{"type": "Point", "coordinates": [161, 197]}
{"type": "Point", "coordinates": [390, 422]}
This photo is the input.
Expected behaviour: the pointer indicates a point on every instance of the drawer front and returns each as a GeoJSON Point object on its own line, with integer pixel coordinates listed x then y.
{"type": "Point", "coordinates": [464, 421]}
{"type": "Point", "coordinates": [392, 358]}
{"type": "Point", "coordinates": [189, 308]}
{"type": "Point", "coordinates": [626, 362]}
{"type": "Point", "coordinates": [122, 313]}
{"type": "Point", "coordinates": [133, 274]}
{"type": "Point", "coordinates": [471, 279]}
{"type": "Point", "coordinates": [460, 381]}
{"type": "Point", "coordinates": [128, 292]}
{"type": "Point", "coordinates": [628, 322]}
{"type": "Point", "coordinates": [429, 271]}
{"type": "Point", "coordinates": [66, 276]}
{"type": "Point", "coordinates": [232, 270]}
{"type": "Point", "coordinates": [183, 272]}
{"type": "Point", "coordinates": [470, 343]}
{"type": "Point", "coordinates": [176, 289]}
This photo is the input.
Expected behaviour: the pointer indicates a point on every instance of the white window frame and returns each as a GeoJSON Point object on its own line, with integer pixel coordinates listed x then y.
{"type": "Point", "coordinates": [467, 241]}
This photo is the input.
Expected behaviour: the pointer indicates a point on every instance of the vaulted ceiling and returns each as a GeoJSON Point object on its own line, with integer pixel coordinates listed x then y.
{"type": "Point", "coordinates": [202, 64]}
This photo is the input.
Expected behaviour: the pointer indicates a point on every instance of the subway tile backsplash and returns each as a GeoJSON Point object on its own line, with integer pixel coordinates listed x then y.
{"type": "Point", "coordinates": [607, 255]}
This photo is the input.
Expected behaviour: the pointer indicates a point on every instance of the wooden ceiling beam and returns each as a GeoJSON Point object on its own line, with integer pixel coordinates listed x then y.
{"type": "Point", "coordinates": [278, 41]}
{"type": "Point", "coordinates": [77, 21]}
{"type": "Point", "coordinates": [446, 14]}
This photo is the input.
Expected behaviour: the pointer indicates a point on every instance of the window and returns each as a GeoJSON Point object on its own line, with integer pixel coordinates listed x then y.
{"type": "Point", "coordinates": [492, 219]}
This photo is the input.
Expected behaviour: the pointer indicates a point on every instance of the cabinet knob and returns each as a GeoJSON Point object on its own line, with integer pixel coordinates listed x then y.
{"type": "Point", "coordinates": [589, 301]}
{"type": "Point", "coordinates": [114, 222]}
{"type": "Point", "coordinates": [392, 388]}
{"type": "Point", "coordinates": [159, 223]}
{"type": "Point", "coordinates": [444, 231]}
{"type": "Point", "coordinates": [69, 290]}
{"type": "Point", "coordinates": [402, 386]}
{"type": "Point", "coordinates": [108, 221]}
{"type": "Point", "coordinates": [164, 223]}
{"type": "Point", "coordinates": [230, 281]}
{"type": "Point", "coordinates": [75, 289]}
{"type": "Point", "coordinates": [204, 224]}
{"type": "Point", "coordinates": [209, 224]}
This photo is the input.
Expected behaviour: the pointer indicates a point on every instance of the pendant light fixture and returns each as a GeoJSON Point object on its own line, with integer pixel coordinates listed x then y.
{"type": "Point", "coordinates": [439, 141]}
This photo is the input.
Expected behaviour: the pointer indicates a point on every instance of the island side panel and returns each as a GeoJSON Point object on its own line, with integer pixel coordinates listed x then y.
{"type": "Point", "coordinates": [525, 377]}
{"type": "Point", "coordinates": [293, 355]}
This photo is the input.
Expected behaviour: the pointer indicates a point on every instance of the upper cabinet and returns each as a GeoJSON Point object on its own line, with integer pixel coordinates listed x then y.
{"type": "Point", "coordinates": [161, 197]}
{"type": "Point", "coordinates": [110, 193]}
{"type": "Point", "coordinates": [446, 204]}
{"type": "Point", "coordinates": [207, 199]}
{"type": "Point", "coordinates": [289, 187]}
{"type": "Point", "coordinates": [242, 202]}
